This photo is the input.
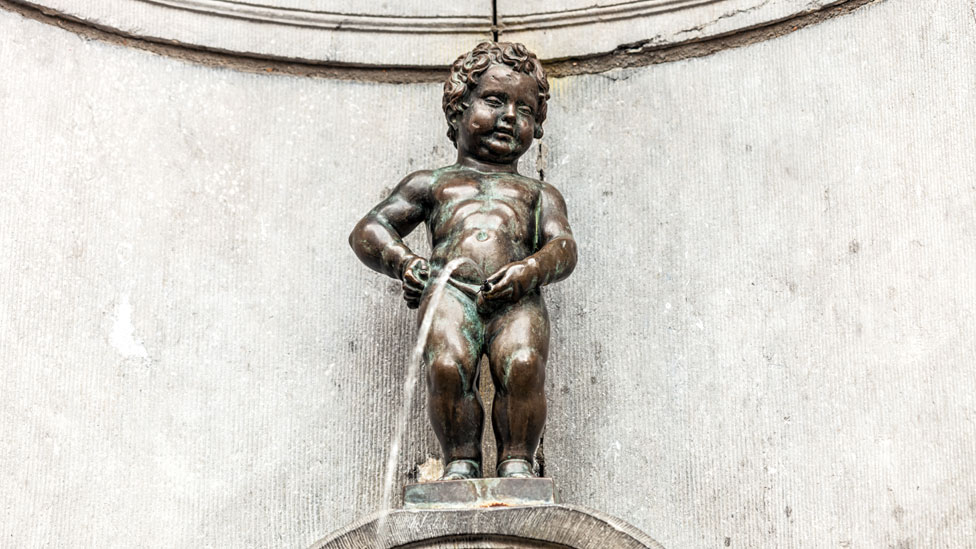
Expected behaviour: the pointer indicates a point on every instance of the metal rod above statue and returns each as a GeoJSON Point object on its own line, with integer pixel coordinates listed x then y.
{"type": "Point", "coordinates": [513, 237]}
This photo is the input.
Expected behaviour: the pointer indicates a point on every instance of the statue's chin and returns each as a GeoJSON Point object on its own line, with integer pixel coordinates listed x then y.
{"type": "Point", "coordinates": [500, 152]}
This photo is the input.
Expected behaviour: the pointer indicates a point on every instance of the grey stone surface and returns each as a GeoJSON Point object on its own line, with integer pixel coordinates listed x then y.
{"type": "Point", "coordinates": [785, 355]}
{"type": "Point", "coordinates": [192, 357]}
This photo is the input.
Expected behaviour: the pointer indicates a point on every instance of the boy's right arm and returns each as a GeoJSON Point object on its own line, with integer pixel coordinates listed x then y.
{"type": "Point", "coordinates": [378, 237]}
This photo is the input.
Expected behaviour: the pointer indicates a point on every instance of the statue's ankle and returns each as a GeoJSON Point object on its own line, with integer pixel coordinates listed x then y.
{"type": "Point", "coordinates": [461, 469]}
{"type": "Point", "coordinates": [515, 468]}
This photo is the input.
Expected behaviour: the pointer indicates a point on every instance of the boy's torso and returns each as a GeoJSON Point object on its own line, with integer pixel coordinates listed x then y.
{"type": "Point", "coordinates": [490, 219]}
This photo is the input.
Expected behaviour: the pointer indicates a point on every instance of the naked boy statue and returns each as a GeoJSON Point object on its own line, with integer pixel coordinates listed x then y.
{"type": "Point", "coordinates": [515, 234]}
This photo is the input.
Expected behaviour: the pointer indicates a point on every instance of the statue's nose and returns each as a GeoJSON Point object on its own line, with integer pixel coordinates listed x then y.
{"type": "Point", "coordinates": [509, 112]}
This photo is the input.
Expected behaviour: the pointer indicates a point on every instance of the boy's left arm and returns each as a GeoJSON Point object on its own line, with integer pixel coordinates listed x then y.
{"type": "Point", "coordinates": [552, 262]}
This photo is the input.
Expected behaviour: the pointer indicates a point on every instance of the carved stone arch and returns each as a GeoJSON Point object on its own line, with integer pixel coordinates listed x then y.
{"type": "Point", "coordinates": [427, 34]}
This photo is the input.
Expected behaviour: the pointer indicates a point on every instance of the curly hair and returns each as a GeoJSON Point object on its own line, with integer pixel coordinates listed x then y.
{"type": "Point", "coordinates": [467, 71]}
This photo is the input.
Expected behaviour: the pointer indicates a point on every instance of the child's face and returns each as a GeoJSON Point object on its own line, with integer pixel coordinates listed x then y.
{"type": "Point", "coordinates": [499, 123]}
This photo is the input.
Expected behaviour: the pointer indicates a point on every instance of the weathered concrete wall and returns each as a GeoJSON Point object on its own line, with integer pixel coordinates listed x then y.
{"type": "Point", "coordinates": [783, 355]}
{"type": "Point", "coordinates": [768, 342]}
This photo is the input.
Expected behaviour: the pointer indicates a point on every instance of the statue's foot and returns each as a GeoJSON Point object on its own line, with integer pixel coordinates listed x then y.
{"type": "Point", "coordinates": [515, 468]}
{"type": "Point", "coordinates": [462, 469]}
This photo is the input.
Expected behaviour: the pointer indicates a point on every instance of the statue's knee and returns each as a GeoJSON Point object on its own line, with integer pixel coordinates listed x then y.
{"type": "Point", "coordinates": [524, 372]}
{"type": "Point", "coordinates": [445, 374]}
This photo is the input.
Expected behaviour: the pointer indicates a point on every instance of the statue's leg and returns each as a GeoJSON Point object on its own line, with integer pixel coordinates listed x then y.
{"type": "Point", "coordinates": [518, 346]}
{"type": "Point", "coordinates": [452, 354]}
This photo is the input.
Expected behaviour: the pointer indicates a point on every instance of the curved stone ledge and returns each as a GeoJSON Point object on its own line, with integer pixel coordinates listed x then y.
{"type": "Point", "coordinates": [541, 526]}
{"type": "Point", "coordinates": [422, 34]}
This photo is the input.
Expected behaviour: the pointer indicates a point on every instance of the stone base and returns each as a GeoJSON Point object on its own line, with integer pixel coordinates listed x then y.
{"type": "Point", "coordinates": [487, 513]}
{"type": "Point", "coordinates": [479, 493]}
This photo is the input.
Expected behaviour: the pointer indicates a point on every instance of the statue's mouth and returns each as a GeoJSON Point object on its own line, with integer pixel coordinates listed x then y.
{"type": "Point", "coordinates": [508, 132]}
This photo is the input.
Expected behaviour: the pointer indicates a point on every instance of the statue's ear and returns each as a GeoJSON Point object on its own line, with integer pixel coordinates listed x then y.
{"type": "Point", "coordinates": [538, 131]}
{"type": "Point", "coordinates": [456, 114]}
{"type": "Point", "coordinates": [452, 124]}
{"type": "Point", "coordinates": [453, 119]}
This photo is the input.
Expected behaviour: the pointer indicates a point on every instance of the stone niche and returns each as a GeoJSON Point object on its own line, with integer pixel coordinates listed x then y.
{"type": "Point", "coordinates": [422, 34]}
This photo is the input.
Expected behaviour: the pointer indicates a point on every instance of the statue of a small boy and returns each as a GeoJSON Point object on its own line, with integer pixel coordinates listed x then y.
{"type": "Point", "coordinates": [514, 232]}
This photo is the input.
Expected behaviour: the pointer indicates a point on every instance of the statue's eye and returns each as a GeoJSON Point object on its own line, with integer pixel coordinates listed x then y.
{"type": "Point", "coordinates": [525, 109]}
{"type": "Point", "coordinates": [493, 101]}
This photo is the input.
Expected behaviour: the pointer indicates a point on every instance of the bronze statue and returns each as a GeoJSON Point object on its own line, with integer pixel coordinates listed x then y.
{"type": "Point", "coordinates": [515, 236]}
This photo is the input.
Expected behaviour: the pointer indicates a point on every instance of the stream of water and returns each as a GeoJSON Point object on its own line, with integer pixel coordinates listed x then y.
{"type": "Point", "coordinates": [409, 388]}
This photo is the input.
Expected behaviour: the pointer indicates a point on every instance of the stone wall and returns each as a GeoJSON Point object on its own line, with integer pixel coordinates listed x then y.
{"type": "Point", "coordinates": [768, 341]}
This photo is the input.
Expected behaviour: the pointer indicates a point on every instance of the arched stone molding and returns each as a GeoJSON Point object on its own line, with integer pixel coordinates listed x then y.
{"type": "Point", "coordinates": [544, 526]}
{"type": "Point", "coordinates": [429, 33]}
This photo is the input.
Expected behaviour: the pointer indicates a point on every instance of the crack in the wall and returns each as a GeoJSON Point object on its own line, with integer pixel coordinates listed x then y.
{"type": "Point", "coordinates": [726, 15]}
{"type": "Point", "coordinates": [652, 52]}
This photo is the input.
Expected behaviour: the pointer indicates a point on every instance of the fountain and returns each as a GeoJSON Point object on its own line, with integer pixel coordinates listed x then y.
{"type": "Point", "coordinates": [482, 217]}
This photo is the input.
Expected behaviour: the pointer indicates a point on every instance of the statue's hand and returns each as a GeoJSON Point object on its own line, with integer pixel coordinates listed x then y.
{"type": "Point", "coordinates": [511, 282]}
{"type": "Point", "coordinates": [414, 277]}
